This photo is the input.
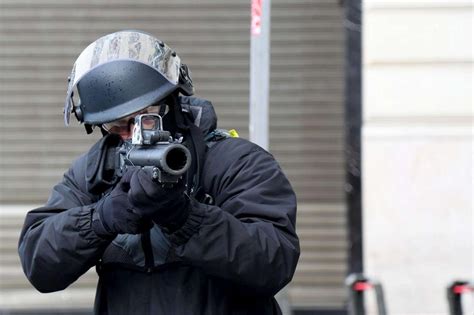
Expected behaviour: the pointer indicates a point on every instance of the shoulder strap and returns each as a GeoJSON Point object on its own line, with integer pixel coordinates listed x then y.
{"type": "Point", "coordinates": [219, 134]}
{"type": "Point", "coordinates": [198, 146]}
{"type": "Point", "coordinates": [198, 152]}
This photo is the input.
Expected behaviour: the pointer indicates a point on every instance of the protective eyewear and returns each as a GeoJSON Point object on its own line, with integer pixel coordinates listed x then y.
{"type": "Point", "coordinates": [122, 126]}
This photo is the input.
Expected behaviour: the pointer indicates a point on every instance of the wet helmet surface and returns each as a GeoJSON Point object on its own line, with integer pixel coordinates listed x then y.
{"type": "Point", "coordinates": [122, 73]}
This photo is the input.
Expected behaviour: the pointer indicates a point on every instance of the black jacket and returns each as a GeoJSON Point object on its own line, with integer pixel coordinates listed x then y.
{"type": "Point", "coordinates": [228, 258]}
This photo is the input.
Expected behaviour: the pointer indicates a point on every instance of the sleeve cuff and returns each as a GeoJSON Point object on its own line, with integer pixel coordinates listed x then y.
{"type": "Point", "coordinates": [87, 226]}
{"type": "Point", "coordinates": [190, 226]}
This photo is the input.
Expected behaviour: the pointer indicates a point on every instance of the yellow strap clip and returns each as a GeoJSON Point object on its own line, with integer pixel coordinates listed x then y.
{"type": "Point", "coordinates": [233, 133]}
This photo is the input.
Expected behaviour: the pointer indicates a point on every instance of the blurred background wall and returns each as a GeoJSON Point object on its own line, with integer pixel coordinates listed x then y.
{"type": "Point", "coordinates": [418, 150]}
{"type": "Point", "coordinates": [40, 40]}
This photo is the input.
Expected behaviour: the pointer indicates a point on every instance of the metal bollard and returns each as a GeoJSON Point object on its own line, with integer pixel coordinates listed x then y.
{"type": "Point", "coordinates": [357, 284]}
{"type": "Point", "coordinates": [455, 292]}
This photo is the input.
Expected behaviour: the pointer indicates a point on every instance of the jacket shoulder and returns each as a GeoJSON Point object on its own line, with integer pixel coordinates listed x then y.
{"type": "Point", "coordinates": [231, 149]}
{"type": "Point", "coordinates": [236, 165]}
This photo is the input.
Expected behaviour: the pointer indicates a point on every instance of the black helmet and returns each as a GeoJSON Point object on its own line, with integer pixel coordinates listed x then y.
{"type": "Point", "coordinates": [122, 73]}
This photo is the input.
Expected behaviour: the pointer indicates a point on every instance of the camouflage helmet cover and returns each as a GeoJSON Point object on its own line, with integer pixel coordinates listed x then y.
{"type": "Point", "coordinates": [122, 73]}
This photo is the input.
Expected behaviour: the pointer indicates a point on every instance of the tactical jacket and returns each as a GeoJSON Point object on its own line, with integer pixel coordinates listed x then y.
{"type": "Point", "coordinates": [230, 257]}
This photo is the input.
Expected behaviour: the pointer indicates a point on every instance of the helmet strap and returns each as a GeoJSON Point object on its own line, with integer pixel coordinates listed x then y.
{"type": "Point", "coordinates": [103, 131]}
{"type": "Point", "coordinates": [162, 110]}
{"type": "Point", "coordinates": [89, 129]}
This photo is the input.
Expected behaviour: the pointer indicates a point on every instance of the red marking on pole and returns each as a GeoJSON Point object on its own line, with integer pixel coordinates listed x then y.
{"type": "Point", "coordinates": [361, 286]}
{"type": "Point", "coordinates": [256, 21]}
{"type": "Point", "coordinates": [460, 289]}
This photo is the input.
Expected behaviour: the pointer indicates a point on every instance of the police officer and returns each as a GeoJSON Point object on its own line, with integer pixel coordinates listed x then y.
{"type": "Point", "coordinates": [220, 241]}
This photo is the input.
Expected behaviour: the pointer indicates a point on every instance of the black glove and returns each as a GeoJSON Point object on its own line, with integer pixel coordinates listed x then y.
{"type": "Point", "coordinates": [114, 214]}
{"type": "Point", "coordinates": [167, 207]}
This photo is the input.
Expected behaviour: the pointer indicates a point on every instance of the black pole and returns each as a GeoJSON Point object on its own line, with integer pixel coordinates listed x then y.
{"type": "Point", "coordinates": [358, 285]}
{"type": "Point", "coordinates": [454, 294]}
{"type": "Point", "coordinates": [353, 124]}
{"type": "Point", "coordinates": [355, 305]}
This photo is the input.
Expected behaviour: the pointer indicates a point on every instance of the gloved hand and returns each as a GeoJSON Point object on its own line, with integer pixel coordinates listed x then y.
{"type": "Point", "coordinates": [114, 214]}
{"type": "Point", "coordinates": [167, 207]}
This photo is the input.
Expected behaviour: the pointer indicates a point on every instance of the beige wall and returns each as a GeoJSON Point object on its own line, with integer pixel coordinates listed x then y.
{"type": "Point", "coordinates": [418, 150]}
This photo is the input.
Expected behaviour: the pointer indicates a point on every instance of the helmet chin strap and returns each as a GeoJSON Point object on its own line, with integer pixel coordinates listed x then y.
{"type": "Point", "coordinates": [162, 110]}
{"type": "Point", "coordinates": [103, 131]}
